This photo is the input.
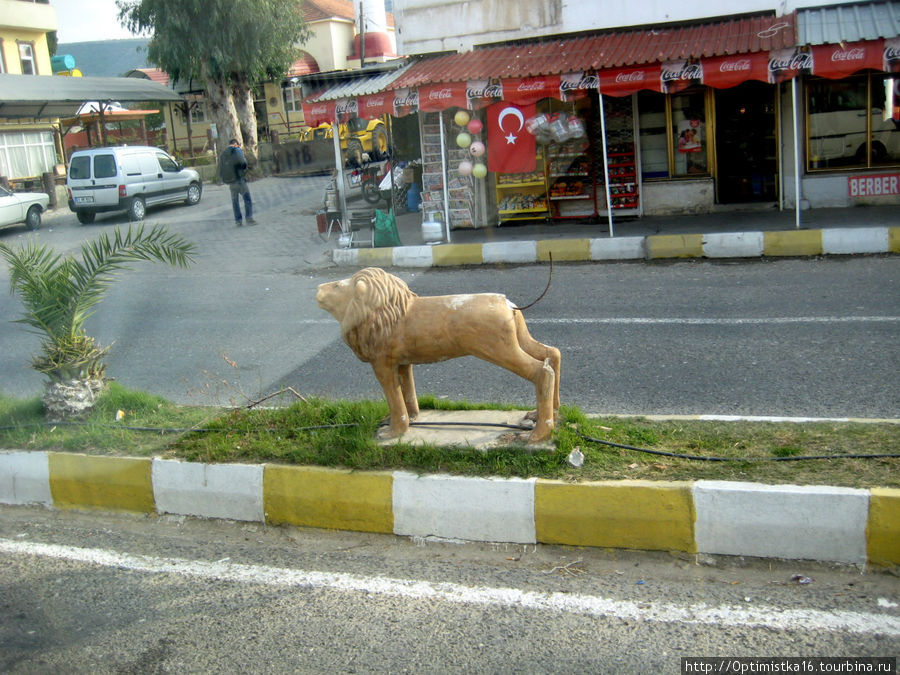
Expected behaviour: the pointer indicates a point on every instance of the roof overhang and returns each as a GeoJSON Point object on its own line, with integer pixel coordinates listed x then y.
{"type": "Point", "coordinates": [49, 97]}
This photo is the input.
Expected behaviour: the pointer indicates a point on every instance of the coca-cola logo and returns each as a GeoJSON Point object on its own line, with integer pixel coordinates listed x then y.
{"type": "Point", "coordinates": [318, 110]}
{"type": "Point", "coordinates": [734, 66]}
{"type": "Point", "coordinates": [489, 91]}
{"type": "Point", "coordinates": [891, 53]}
{"type": "Point", "coordinates": [579, 82]}
{"type": "Point", "coordinates": [536, 85]}
{"type": "Point", "coordinates": [375, 102]}
{"type": "Point", "coordinates": [633, 76]}
{"type": "Point", "coordinates": [793, 61]}
{"type": "Point", "coordinates": [686, 71]}
{"type": "Point", "coordinates": [346, 107]}
{"type": "Point", "coordinates": [439, 94]}
{"type": "Point", "coordinates": [409, 99]}
{"type": "Point", "coordinates": [855, 54]}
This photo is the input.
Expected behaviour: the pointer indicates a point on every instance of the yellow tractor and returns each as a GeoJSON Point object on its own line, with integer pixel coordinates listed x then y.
{"type": "Point", "coordinates": [358, 136]}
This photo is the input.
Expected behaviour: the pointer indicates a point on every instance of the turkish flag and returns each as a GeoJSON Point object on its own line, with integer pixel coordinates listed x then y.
{"type": "Point", "coordinates": [511, 149]}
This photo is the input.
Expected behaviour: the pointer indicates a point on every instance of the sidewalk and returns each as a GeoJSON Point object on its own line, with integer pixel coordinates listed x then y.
{"type": "Point", "coordinates": [724, 234]}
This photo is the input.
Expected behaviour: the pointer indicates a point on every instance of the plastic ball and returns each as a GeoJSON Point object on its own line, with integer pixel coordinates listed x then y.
{"type": "Point", "coordinates": [477, 149]}
{"type": "Point", "coordinates": [464, 140]}
{"type": "Point", "coordinates": [479, 170]}
{"type": "Point", "coordinates": [475, 126]}
{"type": "Point", "coordinates": [460, 118]}
{"type": "Point", "coordinates": [465, 168]}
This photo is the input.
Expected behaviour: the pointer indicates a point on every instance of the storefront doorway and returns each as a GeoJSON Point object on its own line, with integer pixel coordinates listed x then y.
{"type": "Point", "coordinates": [746, 155]}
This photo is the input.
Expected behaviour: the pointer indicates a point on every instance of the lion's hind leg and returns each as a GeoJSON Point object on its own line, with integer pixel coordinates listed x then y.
{"type": "Point", "coordinates": [541, 352]}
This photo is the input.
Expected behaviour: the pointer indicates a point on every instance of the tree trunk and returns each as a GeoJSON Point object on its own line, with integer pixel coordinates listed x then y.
{"type": "Point", "coordinates": [221, 105]}
{"type": "Point", "coordinates": [246, 113]}
{"type": "Point", "coordinates": [71, 400]}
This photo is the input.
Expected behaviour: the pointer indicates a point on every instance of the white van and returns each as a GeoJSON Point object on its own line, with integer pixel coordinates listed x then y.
{"type": "Point", "coordinates": [127, 178]}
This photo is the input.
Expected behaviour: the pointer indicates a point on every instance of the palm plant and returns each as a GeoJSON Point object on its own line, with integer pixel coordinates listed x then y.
{"type": "Point", "coordinates": [59, 293]}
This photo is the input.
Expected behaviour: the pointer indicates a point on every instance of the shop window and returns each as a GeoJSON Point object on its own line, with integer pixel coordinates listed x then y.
{"type": "Point", "coordinates": [852, 123]}
{"type": "Point", "coordinates": [293, 97]}
{"type": "Point", "coordinates": [26, 58]}
{"type": "Point", "coordinates": [674, 134]}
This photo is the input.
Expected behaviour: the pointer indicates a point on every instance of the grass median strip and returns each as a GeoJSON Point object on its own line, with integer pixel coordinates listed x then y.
{"type": "Point", "coordinates": [340, 434]}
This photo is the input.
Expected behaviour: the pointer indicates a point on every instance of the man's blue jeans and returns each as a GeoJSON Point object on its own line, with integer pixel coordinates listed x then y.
{"type": "Point", "coordinates": [237, 189]}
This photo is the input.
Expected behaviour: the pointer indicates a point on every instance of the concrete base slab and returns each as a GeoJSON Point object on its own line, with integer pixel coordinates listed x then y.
{"type": "Point", "coordinates": [479, 429]}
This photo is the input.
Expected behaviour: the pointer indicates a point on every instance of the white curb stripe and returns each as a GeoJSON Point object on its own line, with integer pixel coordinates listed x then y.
{"type": "Point", "coordinates": [781, 521]}
{"type": "Point", "coordinates": [230, 491]}
{"type": "Point", "coordinates": [458, 507]}
{"type": "Point", "coordinates": [25, 478]}
{"type": "Point", "coordinates": [731, 616]}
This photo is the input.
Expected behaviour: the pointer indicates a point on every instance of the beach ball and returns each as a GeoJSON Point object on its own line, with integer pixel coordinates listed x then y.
{"type": "Point", "coordinates": [460, 118]}
{"type": "Point", "coordinates": [477, 149]}
{"type": "Point", "coordinates": [463, 140]}
{"type": "Point", "coordinates": [465, 168]}
{"type": "Point", "coordinates": [475, 126]}
{"type": "Point", "coordinates": [479, 170]}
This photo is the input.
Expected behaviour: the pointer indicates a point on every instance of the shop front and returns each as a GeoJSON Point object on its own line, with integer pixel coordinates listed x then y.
{"type": "Point", "coordinates": [682, 120]}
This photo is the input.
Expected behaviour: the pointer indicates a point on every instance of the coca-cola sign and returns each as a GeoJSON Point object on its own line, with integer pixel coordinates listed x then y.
{"type": "Point", "coordinates": [785, 64]}
{"type": "Point", "coordinates": [440, 94]}
{"type": "Point", "coordinates": [630, 77]}
{"type": "Point", "coordinates": [856, 54]}
{"type": "Point", "coordinates": [480, 93]}
{"type": "Point", "coordinates": [681, 70]}
{"type": "Point", "coordinates": [346, 107]}
{"type": "Point", "coordinates": [891, 56]}
{"type": "Point", "coordinates": [738, 65]}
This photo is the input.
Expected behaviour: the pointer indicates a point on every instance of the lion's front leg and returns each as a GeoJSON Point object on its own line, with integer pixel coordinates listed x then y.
{"type": "Point", "coordinates": [408, 387]}
{"type": "Point", "coordinates": [389, 377]}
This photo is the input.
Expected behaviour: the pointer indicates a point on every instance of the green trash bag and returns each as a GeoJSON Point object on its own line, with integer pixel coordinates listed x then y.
{"type": "Point", "coordinates": [386, 229]}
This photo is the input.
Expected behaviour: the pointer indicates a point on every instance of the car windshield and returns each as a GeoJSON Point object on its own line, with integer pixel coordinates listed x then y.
{"type": "Point", "coordinates": [4, 192]}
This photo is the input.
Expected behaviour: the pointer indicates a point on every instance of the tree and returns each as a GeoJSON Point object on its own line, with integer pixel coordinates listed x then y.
{"type": "Point", "coordinates": [228, 44]}
{"type": "Point", "coordinates": [60, 293]}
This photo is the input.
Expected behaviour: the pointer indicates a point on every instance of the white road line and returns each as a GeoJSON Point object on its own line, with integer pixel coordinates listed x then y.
{"type": "Point", "coordinates": [724, 615]}
{"type": "Point", "coordinates": [685, 321]}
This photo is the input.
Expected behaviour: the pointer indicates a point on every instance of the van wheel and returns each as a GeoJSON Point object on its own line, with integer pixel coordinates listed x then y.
{"type": "Point", "coordinates": [193, 194]}
{"type": "Point", "coordinates": [136, 209]}
{"type": "Point", "coordinates": [85, 217]}
{"type": "Point", "coordinates": [33, 217]}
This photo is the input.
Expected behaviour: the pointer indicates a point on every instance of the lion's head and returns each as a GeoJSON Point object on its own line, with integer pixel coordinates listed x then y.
{"type": "Point", "coordinates": [367, 305]}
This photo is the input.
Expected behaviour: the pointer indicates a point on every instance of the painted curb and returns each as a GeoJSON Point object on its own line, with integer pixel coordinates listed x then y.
{"type": "Point", "coordinates": [228, 491]}
{"type": "Point", "coordinates": [782, 521]}
{"type": "Point", "coordinates": [333, 499]}
{"type": "Point", "coordinates": [457, 507]}
{"type": "Point", "coordinates": [786, 243]}
{"type": "Point", "coordinates": [829, 524]}
{"type": "Point", "coordinates": [25, 478]}
{"type": "Point", "coordinates": [654, 516]}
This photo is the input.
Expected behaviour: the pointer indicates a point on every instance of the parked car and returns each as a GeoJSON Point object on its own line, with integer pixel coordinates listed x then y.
{"type": "Point", "coordinates": [127, 178]}
{"type": "Point", "coordinates": [22, 207]}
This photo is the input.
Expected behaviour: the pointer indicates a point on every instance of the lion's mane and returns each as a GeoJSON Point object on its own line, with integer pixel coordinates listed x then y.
{"type": "Point", "coordinates": [374, 311]}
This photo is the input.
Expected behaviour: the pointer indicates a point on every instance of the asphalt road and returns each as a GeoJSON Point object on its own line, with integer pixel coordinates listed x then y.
{"type": "Point", "coordinates": [809, 337]}
{"type": "Point", "coordinates": [122, 594]}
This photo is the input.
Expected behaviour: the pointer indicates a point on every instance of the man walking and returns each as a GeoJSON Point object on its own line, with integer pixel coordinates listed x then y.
{"type": "Point", "coordinates": [233, 171]}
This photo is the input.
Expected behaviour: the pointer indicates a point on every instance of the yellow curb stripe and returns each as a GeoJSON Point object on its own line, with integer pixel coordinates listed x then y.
{"type": "Point", "coordinates": [106, 483]}
{"type": "Point", "coordinates": [457, 254]}
{"type": "Point", "coordinates": [793, 242]}
{"type": "Point", "coordinates": [616, 514]}
{"type": "Point", "coordinates": [894, 239]}
{"type": "Point", "coordinates": [675, 246]}
{"type": "Point", "coordinates": [563, 250]}
{"type": "Point", "coordinates": [883, 529]}
{"type": "Point", "coordinates": [375, 257]}
{"type": "Point", "coordinates": [328, 498]}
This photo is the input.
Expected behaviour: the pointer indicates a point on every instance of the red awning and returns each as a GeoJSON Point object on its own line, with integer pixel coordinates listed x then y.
{"type": "Point", "coordinates": [611, 50]}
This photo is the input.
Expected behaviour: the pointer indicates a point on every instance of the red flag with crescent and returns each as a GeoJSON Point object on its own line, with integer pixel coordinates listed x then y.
{"type": "Point", "coordinates": [511, 149]}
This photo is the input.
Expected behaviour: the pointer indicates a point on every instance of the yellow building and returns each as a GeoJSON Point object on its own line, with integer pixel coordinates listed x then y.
{"type": "Point", "coordinates": [28, 147]}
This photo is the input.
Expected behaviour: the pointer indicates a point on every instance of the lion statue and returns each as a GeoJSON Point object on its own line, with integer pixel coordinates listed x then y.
{"type": "Point", "coordinates": [389, 326]}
